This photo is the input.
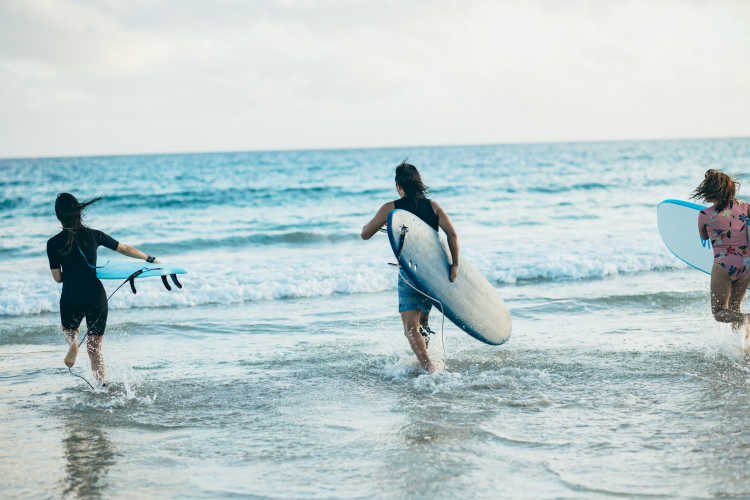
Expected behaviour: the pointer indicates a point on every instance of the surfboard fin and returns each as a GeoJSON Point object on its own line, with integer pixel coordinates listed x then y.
{"type": "Point", "coordinates": [401, 240]}
{"type": "Point", "coordinates": [132, 278]}
{"type": "Point", "coordinates": [174, 280]}
{"type": "Point", "coordinates": [165, 282]}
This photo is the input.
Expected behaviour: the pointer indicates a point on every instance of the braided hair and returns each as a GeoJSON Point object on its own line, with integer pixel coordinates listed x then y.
{"type": "Point", "coordinates": [69, 212]}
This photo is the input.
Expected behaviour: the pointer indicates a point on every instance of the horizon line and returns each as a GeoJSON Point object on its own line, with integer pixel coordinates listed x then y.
{"type": "Point", "coordinates": [356, 148]}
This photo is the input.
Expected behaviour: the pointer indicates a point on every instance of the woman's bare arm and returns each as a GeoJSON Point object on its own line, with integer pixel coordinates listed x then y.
{"type": "Point", "coordinates": [445, 223]}
{"type": "Point", "coordinates": [132, 252]}
{"type": "Point", "coordinates": [703, 232]}
{"type": "Point", "coordinates": [377, 222]}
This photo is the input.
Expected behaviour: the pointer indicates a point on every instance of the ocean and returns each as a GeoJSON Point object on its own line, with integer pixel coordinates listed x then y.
{"type": "Point", "coordinates": [280, 370]}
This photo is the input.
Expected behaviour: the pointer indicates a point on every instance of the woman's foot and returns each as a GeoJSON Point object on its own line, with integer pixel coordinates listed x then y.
{"type": "Point", "coordinates": [70, 358]}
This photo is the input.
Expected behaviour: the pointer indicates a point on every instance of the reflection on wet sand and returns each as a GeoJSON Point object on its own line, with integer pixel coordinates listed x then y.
{"type": "Point", "coordinates": [88, 457]}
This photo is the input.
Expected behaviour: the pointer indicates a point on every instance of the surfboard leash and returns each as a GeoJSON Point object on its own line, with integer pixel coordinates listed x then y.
{"type": "Point", "coordinates": [82, 378]}
{"type": "Point", "coordinates": [402, 240]}
{"type": "Point", "coordinates": [130, 279]}
{"type": "Point", "coordinates": [442, 311]}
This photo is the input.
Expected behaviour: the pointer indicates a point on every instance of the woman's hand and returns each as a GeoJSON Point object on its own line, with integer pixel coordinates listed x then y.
{"type": "Point", "coordinates": [372, 227]}
{"type": "Point", "coordinates": [453, 273]}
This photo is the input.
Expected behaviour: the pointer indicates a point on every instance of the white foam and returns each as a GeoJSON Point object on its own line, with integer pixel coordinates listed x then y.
{"type": "Point", "coordinates": [24, 293]}
{"type": "Point", "coordinates": [579, 263]}
{"type": "Point", "coordinates": [235, 277]}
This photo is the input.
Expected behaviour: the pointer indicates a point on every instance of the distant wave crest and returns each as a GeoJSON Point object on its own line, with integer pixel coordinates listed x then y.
{"type": "Point", "coordinates": [238, 281]}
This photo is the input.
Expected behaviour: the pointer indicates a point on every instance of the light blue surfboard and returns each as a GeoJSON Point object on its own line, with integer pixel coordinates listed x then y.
{"type": "Point", "coordinates": [131, 270]}
{"type": "Point", "coordinates": [119, 270]}
{"type": "Point", "coordinates": [470, 302]}
{"type": "Point", "coordinates": [678, 227]}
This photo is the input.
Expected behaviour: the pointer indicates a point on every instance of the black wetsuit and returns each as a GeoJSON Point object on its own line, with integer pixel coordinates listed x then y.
{"type": "Point", "coordinates": [421, 207]}
{"type": "Point", "coordinates": [82, 292]}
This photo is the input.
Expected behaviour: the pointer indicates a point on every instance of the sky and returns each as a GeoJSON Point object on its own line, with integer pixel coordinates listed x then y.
{"type": "Point", "coordinates": [86, 77]}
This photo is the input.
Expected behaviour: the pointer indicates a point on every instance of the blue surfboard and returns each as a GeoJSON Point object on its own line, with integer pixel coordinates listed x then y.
{"type": "Point", "coordinates": [470, 302]}
{"type": "Point", "coordinates": [130, 270]}
{"type": "Point", "coordinates": [119, 270]}
{"type": "Point", "coordinates": [678, 227]}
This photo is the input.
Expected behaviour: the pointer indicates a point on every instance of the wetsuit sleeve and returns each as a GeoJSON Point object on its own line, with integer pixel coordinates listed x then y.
{"type": "Point", "coordinates": [105, 240]}
{"type": "Point", "coordinates": [53, 255]}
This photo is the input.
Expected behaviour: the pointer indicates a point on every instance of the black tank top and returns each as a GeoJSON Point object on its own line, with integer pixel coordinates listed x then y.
{"type": "Point", "coordinates": [421, 207]}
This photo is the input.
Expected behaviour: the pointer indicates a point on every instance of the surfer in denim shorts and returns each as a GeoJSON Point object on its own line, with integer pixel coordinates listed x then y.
{"type": "Point", "coordinates": [413, 305]}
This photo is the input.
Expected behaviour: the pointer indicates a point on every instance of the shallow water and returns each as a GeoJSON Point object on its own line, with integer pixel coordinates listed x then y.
{"type": "Point", "coordinates": [280, 370]}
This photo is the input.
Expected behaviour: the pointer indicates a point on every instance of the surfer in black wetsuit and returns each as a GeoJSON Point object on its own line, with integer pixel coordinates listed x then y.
{"type": "Point", "coordinates": [413, 305]}
{"type": "Point", "coordinates": [72, 260]}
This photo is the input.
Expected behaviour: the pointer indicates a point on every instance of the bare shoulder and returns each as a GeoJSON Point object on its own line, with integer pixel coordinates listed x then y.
{"type": "Point", "coordinates": [388, 206]}
{"type": "Point", "coordinates": [436, 207]}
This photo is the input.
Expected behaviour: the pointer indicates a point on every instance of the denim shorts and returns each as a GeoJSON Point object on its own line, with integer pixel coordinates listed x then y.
{"type": "Point", "coordinates": [409, 299]}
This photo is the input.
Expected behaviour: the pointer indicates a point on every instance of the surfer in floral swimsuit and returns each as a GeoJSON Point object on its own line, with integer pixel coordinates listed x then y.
{"type": "Point", "coordinates": [414, 306]}
{"type": "Point", "coordinates": [725, 224]}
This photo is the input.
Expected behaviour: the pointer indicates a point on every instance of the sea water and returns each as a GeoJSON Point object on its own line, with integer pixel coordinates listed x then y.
{"type": "Point", "coordinates": [280, 369]}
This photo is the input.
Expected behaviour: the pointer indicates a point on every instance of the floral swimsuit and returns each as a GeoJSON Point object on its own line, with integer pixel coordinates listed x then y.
{"type": "Point", "coordinates": [727, 230]}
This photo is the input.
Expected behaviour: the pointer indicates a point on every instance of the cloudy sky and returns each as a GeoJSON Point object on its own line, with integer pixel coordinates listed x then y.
{"type": "Point", "coordinates": [133, 76]}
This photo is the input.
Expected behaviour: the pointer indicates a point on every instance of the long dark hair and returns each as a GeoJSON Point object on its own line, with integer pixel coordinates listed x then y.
{"type": "Point", "coordinates": [716, 187]}
{"type": "Point", "coordinates": [69, 212]}
{"type": "Point", "coordinates": [408, 178]}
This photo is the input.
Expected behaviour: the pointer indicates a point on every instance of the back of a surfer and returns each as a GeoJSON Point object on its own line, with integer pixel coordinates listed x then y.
{"type": "Point", "coordinates": [413, 305]}
{"type": "Point", "coordinates": [72, 260]}
{"type": "Point", "coordinates": [725, 224]}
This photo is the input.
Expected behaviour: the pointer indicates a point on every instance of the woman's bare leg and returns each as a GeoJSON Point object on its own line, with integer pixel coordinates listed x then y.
{"type": "Point", "coordinates": [424, 328]}
{"type": "Point", "coordinates": [94, 348]}
{"type": "Point", "coordinates": [411, 320]}
{"type": "Point", "coordinates": [739, 288]}
{"type": "Point", "coordinates": [721, 293]}
{"type": "Point", "coordinates": [71, 337]}
{"type": "Point", "coordinates": [424, 319]}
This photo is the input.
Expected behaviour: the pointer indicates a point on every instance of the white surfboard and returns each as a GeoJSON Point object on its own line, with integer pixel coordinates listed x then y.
{"type": "Point", "coordinates": [678, 227]}
{"type": "Point", "coordinates": [471, 302]}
